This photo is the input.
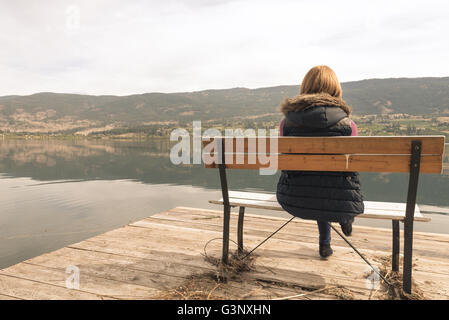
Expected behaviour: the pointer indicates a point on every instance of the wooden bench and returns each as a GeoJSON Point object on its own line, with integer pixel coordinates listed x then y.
{"type": "Point", "coordinates": [408, 154]}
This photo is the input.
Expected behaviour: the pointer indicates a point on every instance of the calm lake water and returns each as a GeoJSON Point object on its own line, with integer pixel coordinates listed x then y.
{"type": "Point", "coordinates": [54, 193]}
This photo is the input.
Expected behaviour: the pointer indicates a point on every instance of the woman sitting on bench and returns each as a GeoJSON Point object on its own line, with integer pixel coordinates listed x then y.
{"type": "Point", "coordinates": [319, 110]}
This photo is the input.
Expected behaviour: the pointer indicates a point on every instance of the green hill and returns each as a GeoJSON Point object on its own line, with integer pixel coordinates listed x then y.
{"type": "Point", "coordinates": [55, 112]}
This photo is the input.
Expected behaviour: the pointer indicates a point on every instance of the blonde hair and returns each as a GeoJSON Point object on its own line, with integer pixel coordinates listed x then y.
{"type": "Point", "coordinates": [321, 79]}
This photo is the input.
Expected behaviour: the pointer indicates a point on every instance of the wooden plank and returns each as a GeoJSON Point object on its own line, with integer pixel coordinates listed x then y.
{"type": "Point", "coordinates": [335, 145]}
{"type": "Point", "coordinates": [185, 239]}
{"type": "Point", "coordinates": [271, 197]}
{"type": "Point", "coordinates": [379, 239]}
{"type": "Point", "coordinates": [161, 273]}
{"type": "Point", "coordinates": [371, 213]}
{"type": "Point", "coordinates": [196, 214]}
{"type": "Point", "coordinates": [157, 275]}
{"type": "Point", "coordinates": [355, 271]}
{"type": "Point", "coordinates": [306, 231]}
{"type": "Point", "coordinates": [215, 216]}
{"type": "Point", "coordinates": [5, 297]}
{"type": "Point", "coordinates": [253, 195]}
{"type": "Point", "coordinates": [346, 163]}
{"type": "Point", "coordinates": [293, 237]}
{"type": "Point", "coordinates": [306, 280]}
{"type": "Point", "coordinates": [187, 242]}
{"type": "Point", "coordinates": [298, 227]}
{"type": "Point", "coordinates": [88, 283]}
{"type": "Point", "coordinates": [293, 249]}
{"type": "Point", "coordinates": [434, 209]}
{"type": "Point", "coordinates": [179, 240]}
{"type": "Point", "coordinates": [32, 289]}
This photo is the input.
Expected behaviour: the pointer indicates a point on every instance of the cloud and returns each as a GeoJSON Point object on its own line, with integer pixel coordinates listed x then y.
{"type": "Point", "coordinates": [118, 47]}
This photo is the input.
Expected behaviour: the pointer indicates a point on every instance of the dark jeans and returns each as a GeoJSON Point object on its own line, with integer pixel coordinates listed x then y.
{"type": "Point", "coordinates": [325, 232]}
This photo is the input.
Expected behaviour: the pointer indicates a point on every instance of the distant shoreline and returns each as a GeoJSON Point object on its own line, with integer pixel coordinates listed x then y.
{"type": "Point", "coordinates": [368, 125]}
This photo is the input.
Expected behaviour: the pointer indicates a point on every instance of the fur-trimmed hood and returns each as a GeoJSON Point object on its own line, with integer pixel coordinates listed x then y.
{"type": "Point", "coordinates": [316, 111]}
{"type": "Point", "coordinates": [305, 101]}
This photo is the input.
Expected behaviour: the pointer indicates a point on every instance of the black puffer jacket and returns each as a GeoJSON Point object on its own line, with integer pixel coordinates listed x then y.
{"type": "Point", "coordinates": [322, 196]}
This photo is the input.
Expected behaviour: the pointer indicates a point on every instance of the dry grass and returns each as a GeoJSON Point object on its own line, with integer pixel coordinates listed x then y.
{"type": "Point", "coordinates": [197, 287]}
{"type": "Point", "coordinates": [340, 292]}
{"type": "Point", "coordinates": [221, 283]}
{"type": "Point", "coordinates": [395, 291]}
{"type": "Point", "coordinates": [204, 286]}
{"type": "Point", "coordinates": [217, 285]}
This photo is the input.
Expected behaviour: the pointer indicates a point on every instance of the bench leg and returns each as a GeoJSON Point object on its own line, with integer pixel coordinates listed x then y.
{"type": "Point", "coordinates": [226, 206]}
{"type": "Point", "coordinates": [226, 218]}
{"type": "Point", "coordinates": [408, 250]}
{"type": "Point", "coordinates": [409, 215]}
{"type": "Point", "coordinates": [240, 230]}
{"type": "Point", "coordinates": [395, 254]}
{"type": "Point", "coordinates": [408, 256]}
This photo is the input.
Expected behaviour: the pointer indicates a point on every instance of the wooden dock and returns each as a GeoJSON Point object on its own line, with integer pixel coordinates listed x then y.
{"type": "Point", "coordinates": [162, 257]}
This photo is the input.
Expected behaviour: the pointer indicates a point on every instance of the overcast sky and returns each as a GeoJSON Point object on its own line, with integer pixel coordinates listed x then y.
{"type": "Point", "coordinates": [125, 47]}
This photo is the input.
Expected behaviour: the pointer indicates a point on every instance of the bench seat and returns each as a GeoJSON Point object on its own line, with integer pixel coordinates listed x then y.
{"type": "Point", "coordinates": [373, 209]}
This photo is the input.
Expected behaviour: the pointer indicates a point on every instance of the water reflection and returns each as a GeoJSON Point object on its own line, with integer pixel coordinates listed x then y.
{"type": "Point", "coordinates": [148, 162]}
{"type": "Point", "coordinates": [40, 217]}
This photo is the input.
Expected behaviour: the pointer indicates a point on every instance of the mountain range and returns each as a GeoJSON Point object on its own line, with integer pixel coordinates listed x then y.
{"type": "Point", "coordinates": [59, 112]}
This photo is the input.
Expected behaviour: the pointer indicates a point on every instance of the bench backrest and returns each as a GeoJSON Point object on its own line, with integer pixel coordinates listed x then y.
{"type": "Point", "coordinates": [364, 154]}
